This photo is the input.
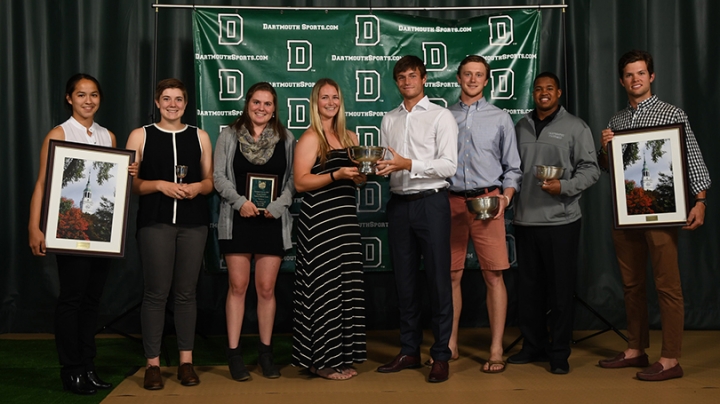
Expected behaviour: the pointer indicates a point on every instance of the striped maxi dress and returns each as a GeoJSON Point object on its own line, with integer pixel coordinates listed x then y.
{"type": "Point", "coordinates": [328, 297]}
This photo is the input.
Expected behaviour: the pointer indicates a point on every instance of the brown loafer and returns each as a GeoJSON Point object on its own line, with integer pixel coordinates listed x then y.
{"type": "Point", "coordinates": [656, 373]}
{"type": "Point", "coordinates": [619, 361]}
{"type": "Point", "coordinates": [439, 372]}
{"type": "Point", "coordinates": [153, 378]}
{"type": "Point", "coordinates": [399, 363]}
{"type": "Point", "coordinates": [187, 375]}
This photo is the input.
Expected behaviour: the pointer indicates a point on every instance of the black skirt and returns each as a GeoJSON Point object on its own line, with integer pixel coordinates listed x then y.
{"type": "Point", "coordinates": [256, 235]}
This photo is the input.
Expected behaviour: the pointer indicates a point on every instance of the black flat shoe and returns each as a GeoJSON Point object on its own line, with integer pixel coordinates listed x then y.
{"type": "Point", "coordinates": [77, 384]}
{"type": "Point", "coordinates": [95, 381]}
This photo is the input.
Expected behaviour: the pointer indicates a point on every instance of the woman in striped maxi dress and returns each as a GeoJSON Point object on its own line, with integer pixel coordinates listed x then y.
{"type": "Point", "coordinates": [329, 304]}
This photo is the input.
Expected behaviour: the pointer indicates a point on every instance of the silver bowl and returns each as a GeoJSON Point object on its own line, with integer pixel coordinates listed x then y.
{"type": "Point", "coordinates": [548, 172]}
{"type": "Point", "coordinates": [485, 207]}
{"type": "Point", "coordinates": [366, 157]}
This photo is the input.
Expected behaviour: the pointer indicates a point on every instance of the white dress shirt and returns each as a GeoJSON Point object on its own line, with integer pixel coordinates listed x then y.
{"type": "Point", "coordinates": [428, 136]}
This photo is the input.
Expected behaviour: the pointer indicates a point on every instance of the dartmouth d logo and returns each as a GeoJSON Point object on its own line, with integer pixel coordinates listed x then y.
{"type": "Point", "coordinates": [298, 112]}
{"type": "Point", "coordinates": [231, 84]}
{"type": "Point", "coordinates": [439, 101]}
{"type": "Point", "coordinates": [435, 55]}
{"type": "Point", "coordinates": [367, 30]}
{"type": "Point", "coordinates": [368, 135]}
{"type": "Point", "coordinates": [299, 55]}
{"type": "Point", "coordinates": [503, 84]}
{"type": "Point", "coordinates": [231, 29]}
{"type": "Point", "coordinates": [501, 30]}
{"type": "Point", "coordinates": [373, 252]}
{"type": "Point", "coordinates": [367, 85]}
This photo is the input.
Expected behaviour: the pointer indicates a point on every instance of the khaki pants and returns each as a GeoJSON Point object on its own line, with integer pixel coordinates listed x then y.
{"type": "Point", "coordinates": [632, 248]}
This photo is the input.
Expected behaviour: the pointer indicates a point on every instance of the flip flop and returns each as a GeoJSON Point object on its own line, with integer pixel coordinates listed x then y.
{"type": "Point", "coordinates": [491, 363]}
{"type": "Point", "coordinates": [347, 370]}
{"type": "Point", "coordinates": [335, 374]}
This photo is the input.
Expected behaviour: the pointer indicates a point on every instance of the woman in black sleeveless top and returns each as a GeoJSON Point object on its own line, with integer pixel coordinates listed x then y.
{"type": "Point", "coordinates": [172, 223]}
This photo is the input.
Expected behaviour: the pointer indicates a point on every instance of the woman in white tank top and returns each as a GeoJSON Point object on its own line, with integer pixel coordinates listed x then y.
{"type": "Point", "coordinates": [81, 278]}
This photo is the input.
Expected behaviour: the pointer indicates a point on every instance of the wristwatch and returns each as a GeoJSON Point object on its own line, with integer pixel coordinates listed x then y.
{"type": "Point", "coordinates": [701, 200]}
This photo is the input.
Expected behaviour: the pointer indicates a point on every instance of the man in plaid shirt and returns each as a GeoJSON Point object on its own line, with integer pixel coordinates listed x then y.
{"type": "Point", "coordinates": [633, 246]}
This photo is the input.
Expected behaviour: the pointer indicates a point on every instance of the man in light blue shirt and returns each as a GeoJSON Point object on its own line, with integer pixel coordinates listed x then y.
{"type": "Point", "coordinates": [488, 165]}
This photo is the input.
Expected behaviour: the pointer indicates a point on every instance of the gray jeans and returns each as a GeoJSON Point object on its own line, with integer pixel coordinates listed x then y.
{"type": "Point", "coordinates": [171, 256]}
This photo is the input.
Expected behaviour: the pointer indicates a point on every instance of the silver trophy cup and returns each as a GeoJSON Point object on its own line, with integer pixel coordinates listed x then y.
{"type": "Point", "coordinates": [181, 172]}
{"type": "Point", "coordinates": [485, 207]}
{"type": "Point", "coordinates": [366, 157]}
{"type": "Point", "coordinates": [548, 173]}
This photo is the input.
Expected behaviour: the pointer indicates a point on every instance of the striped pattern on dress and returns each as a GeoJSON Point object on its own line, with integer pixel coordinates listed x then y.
{"type": "Point", "coordinates": [328, 298]}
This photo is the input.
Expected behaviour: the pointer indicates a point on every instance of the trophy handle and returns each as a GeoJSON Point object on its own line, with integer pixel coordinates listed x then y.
{"type": "Point", "coordinates": [350, 156]}
{"type": "Point", "coordinates": [382, 157]}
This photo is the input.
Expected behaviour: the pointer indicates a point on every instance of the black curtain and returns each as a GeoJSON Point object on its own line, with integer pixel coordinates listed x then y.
{"type": "Point", "coordinates": [43, 42]}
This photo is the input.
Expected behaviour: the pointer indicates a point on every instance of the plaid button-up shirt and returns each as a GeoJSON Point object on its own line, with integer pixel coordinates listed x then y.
{"type": "Point", "coordinates": [653, 112]}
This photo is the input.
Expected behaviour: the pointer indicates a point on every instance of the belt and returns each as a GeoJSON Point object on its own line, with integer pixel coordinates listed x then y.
{"type": "Point", "coordinates": [471, 193]}
{"type": "Point", "coordinates": [417, 195]}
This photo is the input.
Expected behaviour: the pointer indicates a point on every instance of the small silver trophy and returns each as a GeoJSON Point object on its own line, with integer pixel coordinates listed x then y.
{"type": "Point", "coordinates": [181, 172]}
{"type": "Point", "coordinates": [485, 207]}
{"type": "Point", "coordinates": [548, 173]}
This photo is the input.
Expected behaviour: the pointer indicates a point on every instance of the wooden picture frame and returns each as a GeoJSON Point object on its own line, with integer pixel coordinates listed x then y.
{"type": "Point", "coordinates": [87, 195]}
{"type": "Point", "coordinates": [648, 172]}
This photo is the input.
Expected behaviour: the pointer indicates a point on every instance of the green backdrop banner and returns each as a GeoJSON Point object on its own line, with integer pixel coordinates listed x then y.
{"type": "Point", "coordinates": [293, 49]}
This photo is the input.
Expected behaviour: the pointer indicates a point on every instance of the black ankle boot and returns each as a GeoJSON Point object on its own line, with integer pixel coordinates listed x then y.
{"type": "Point", "coordinates": [237, 365]}
{"type": "Point", "coordinates": [265, 361]}
{"type": "Point", "coordinates": [95, 380]}
{"type": "Point", "coordinates": [77, 384]}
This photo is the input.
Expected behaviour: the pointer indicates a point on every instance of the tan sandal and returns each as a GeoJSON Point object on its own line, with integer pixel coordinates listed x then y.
{"type": "Point", "coordinates": [490, 365]}
{"type": "Point", "coordinates": [348, 370]}
{"type": "Point", "coordinates": [330, 374]}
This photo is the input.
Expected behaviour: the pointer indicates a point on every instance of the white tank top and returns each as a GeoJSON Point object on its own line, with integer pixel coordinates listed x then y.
{"type": "Point", "coordinates": [75, 132]}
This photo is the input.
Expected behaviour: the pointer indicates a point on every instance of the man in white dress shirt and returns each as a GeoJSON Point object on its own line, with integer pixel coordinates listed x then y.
{"type": "Point", "coordinates": [422, 138]}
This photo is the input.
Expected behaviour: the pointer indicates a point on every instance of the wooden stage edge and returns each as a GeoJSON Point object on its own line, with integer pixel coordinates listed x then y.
{"type": "Point", "coordinates": [530, 383]}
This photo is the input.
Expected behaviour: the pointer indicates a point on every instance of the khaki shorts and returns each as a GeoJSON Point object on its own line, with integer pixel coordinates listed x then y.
{"type": "Point", "coordinates": [488, 237]}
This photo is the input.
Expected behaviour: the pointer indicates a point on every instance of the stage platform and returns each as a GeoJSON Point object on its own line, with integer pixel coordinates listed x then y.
{"type": "Point", "coordinates": [531, 383]}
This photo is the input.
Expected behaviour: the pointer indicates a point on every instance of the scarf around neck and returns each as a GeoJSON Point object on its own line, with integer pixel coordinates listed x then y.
{"type": "Point", "coordinates": [260, 151]}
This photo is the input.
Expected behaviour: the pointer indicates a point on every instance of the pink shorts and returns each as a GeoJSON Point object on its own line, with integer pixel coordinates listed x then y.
{"type": "Point", "coordinates": [488, 237]}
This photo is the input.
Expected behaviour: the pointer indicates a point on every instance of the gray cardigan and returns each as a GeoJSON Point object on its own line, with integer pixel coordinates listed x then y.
{"type": "Point", "coordinates": [231, 200]}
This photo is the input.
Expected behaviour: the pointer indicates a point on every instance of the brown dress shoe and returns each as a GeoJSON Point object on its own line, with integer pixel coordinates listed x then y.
{"type": "Point", "coordinates": [399, 363]}
{"type": "Point", "coordinates": [153, 378]}
{"type": "Point", "coordinates": [655, 373]}
{"type": "Point", "coordinates": [187, 375]}
{"type": "Point", "coordinates": [439, 372]}
{"type": "Point", "coordinates": [619, 361]}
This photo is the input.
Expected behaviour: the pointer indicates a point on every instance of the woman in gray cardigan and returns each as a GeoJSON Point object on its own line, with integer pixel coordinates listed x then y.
{"type": "Point", "coordinates": [253, 175]}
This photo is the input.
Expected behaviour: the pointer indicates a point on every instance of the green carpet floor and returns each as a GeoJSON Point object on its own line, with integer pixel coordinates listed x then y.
{"type": "Point", "coordinates": [30, 373]}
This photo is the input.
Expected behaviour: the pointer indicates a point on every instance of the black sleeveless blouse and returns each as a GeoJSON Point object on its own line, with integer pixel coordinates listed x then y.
{"type": "Point", "coordinates": [162, 151]}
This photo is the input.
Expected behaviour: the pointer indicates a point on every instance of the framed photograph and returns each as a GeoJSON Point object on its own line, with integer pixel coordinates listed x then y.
{"type": "Point", "coordinates": [87, 193]}
{"type": "Point", "coordinates": [648, 171]}
{"type": "Point", "coordinates": [261, 189]}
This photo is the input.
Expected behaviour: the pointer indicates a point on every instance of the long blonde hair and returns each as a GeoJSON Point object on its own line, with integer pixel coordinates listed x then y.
{"type": "Point", "coordinates": [338, 120]}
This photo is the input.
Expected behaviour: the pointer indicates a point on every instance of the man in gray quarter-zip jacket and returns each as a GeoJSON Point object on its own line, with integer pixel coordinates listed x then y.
{"type": "Point", "coordinates": [547, 224]}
